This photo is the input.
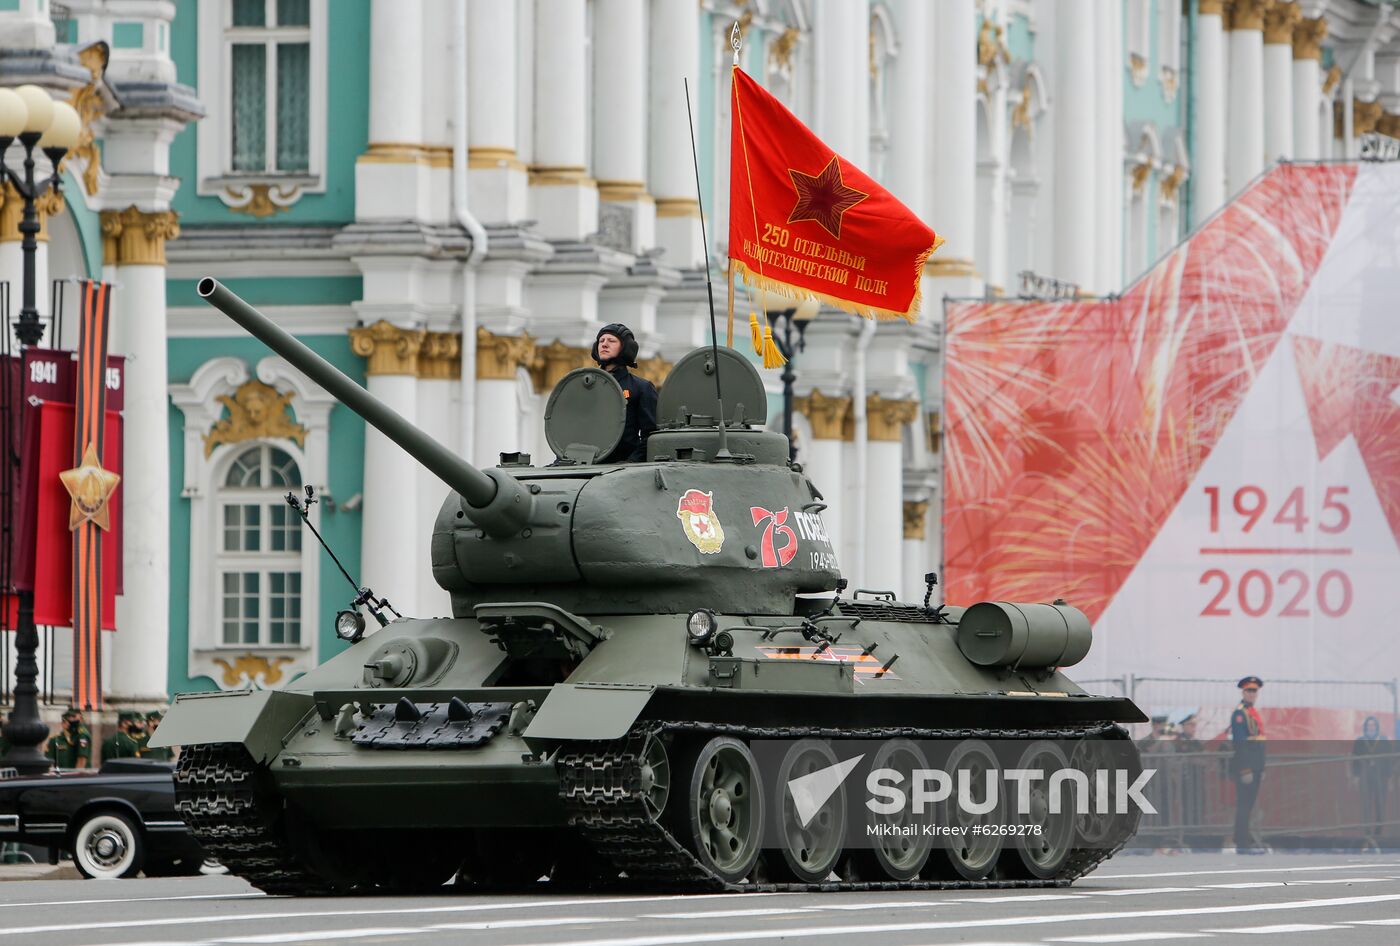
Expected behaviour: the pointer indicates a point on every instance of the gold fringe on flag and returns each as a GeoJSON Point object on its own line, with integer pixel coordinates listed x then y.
{"type": "Point", "coordinates": [772, 357]}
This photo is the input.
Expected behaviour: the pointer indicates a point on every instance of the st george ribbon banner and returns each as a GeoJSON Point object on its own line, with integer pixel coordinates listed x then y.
{"type": "Point", "coordinates": [1209, 464]}
{"type": "Point", "coordinates": [90, 485]}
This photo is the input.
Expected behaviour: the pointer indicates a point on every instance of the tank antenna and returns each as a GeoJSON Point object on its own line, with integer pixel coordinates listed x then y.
{"type": "Point", "coordinates": [723, 452]}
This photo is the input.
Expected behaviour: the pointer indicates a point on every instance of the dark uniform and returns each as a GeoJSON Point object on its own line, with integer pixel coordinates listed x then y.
{"type": "Point", "coordinates": [164, 753]}
{"type": "Point", "coordinates": [124, 744]}
{"type": "Point", "coordinates": [1371, 767]}
{"type": "Point", "coordinates": [639, 393]}
{"type": "Point", "coordinates": [73, 744]}
{"type": "Point", "coordinates": [1246, 765]}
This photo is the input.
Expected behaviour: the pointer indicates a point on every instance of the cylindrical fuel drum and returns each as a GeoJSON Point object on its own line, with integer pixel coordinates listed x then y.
{"type": "Point", "coordinates": [1023, 636]}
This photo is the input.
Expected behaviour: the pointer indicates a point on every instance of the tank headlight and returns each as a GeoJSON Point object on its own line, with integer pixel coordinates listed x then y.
{"type": "Point", "coordinates": [700, 626]}
{"type": "Point", "coordinates": [349, 625]}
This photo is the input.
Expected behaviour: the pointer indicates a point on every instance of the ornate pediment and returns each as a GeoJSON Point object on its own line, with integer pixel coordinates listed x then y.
{"type": "Point", "coordinates": [256, 410]}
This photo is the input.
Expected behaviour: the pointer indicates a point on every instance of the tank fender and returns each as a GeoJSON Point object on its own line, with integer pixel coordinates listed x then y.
{"type": "Point", "coordinates": [258, 719]}
{"type": "Point", "coordinates": [588, 711]}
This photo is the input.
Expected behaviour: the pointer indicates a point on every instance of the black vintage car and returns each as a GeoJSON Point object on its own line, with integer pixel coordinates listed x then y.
{"type": "Point", "coordinates": [116, 822]}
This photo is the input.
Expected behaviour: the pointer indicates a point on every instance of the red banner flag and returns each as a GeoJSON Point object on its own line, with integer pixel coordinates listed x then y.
{"type": "Point", "coordinates": [805, 222]}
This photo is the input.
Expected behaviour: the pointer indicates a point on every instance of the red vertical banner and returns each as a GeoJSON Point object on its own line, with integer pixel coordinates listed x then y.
{"type": "Point", "coordinates": [91, 486]}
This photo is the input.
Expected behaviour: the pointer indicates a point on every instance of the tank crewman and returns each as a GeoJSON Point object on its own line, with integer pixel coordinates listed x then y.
{"type": "Point", "coordinates": [163, 753]}
{"type": "Point", "coordinates": [125, 743]}
{"type": "Point", "coordinates": [1247, 764]}
{"type": "Point", "coordinates": [72, 747]}
{"type": "Point", "coordinates": [615, 350]}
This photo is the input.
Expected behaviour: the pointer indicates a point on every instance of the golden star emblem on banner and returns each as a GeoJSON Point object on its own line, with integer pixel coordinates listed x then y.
{"type": "Point", "coordinates": [823, 198]}
{"type": "Point", "coordinates": [91, 487]}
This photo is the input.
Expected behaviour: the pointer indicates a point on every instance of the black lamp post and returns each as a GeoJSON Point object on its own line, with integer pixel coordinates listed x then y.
{"type": "Point", "coordinates": [36, 120]}
{"type": "Point", "coordinates": [790, 335]}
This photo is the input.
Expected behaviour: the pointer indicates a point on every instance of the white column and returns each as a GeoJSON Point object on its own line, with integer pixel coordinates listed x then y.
{"type": "Point", "coordinates": [1108, 121]}
{"type": "Point", "coordinates": [496, 177]}
{"type": "Point", "coordinates": [884, 515]}
{"type": "Point", "coordinates": [907, 170]}
{"type": "Point", "coordinates": [953, 131]}
{"type": "Point", "coordinates": [1076, 167]}
{"type": "Point", "coordinates": [675, 57]}
{"type": "Point", "coordinates": [1278, 81]}
{"type": "Point", "coordinates": [1244, 158]}
{"type": "Point", "coordinates": [620, 116]}
{"type": "Point", "coordinates": [563, 198]}
{"type": "Point", "coordinates": [1307, 88]}
{"type": "Point", "coordinates": [1208, 176]}
{"type": "Point", "coordinates": [391, 178]}
{"type": "Point", "coordinates": [139, 655]}
{"type": "Point", "coordinates": [390, 555]}
{"type": "Point", "coordinates": [496, 397]}
{"type": "Point", "coordinates": [841, 32]}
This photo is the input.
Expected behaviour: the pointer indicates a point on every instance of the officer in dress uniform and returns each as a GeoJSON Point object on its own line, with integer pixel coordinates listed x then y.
{"type": "Point", "coordinates": [125, 743]}
{"type": "Point", "coordinates": [615, 350]}
{"type": "Point", "coordinates": [164, 754]}
{"type": "Point", "coordinates": [72, 747]}
{"type": "Point", "coordinates": [1247, 763]}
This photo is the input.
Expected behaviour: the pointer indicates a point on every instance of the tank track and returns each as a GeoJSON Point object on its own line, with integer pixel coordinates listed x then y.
{"type": "Point", "coordinates": [216, 793]}
{"type": "Point", "coordinates": [600, 786]}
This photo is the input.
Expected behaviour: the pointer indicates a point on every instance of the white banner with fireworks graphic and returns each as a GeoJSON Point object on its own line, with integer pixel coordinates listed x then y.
{"type": "Point", "coordinates": [1208, 465]}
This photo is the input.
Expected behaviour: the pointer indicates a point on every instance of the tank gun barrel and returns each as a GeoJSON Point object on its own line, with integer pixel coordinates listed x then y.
{"type": "Point", "coordinates": [499, 503]}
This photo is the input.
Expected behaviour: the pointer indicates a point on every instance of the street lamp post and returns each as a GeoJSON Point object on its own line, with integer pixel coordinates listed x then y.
{"type": "Point", "coordinates": [790, 335]}
{"type": "Point", "coordinates": [36, 120]}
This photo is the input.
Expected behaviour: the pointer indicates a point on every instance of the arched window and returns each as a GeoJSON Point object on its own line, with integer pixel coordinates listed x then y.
{"type": "Point", "coordinates": [259, 561]}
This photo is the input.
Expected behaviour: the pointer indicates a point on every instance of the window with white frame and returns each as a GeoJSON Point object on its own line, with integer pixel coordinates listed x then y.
{"type": "Point", "coordinates": [259, 561]}
{"type": "Point", "coordinates": [269, 57]}
{"type": "Point", "coordinates": [264, 63]}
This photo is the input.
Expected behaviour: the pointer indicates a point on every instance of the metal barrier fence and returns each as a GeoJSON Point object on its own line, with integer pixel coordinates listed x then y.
{"type": "Point", "coordinates": [1312, 794]}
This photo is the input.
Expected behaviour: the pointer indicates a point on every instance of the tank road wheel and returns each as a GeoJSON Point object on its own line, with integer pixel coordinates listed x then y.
{"type": "Point", "coordinates": [1099, 823]}
{"type": "Point", "coordinates": [899, 848]}
{"type": "Point", "coordinates": [968, 851]}
{"type": "Point", "coordinates": [1041, 852]}
{"type": "Point", "coordinates": [813, 839]}
{"type": "Point", "coordinates": [726, 808]}
{"type": "Point", "coordinates": [655, 776]}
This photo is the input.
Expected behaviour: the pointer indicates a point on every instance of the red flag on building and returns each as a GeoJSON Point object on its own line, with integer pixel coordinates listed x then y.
{"type": "Point", "coordinates": [805, 222]}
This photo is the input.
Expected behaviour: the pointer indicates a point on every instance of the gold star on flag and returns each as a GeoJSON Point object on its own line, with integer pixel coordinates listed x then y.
{"type": "Point", "coordinates": [823, 197]}
{"type": "Point", "coordinates": [91, 487]}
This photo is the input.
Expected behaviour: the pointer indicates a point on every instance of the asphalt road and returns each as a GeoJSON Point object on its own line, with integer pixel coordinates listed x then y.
{"type": "Point", "coordinates": [1288, 898]}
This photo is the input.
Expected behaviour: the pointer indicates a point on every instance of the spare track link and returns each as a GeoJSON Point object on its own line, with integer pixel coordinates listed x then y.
{"type": "Point", "coordinates": [600, 786]}
{"type": "Point", "coordinates": [216, 794]}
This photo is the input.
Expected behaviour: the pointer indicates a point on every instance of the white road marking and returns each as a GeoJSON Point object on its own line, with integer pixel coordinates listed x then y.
{"type": "Point", "coordinates": [1137, 891]}
{"type": "Point", "coordinates": [738, 936]}
{"type": "Point", "coordinates": [313, 935]}
{"type": "Point", "coordinates": [193, 896]}
{"type": "Point", "coordinates": [1341, 880]}
{"type": "Point", "coordinates": [722, 914]}
{"type": "Point", "coordinates": [310, 936]}
{"type": "Point", "coordinates": [891, 905]}
{"type": "Point", "coordinates": [1245, 886]}
{"type": "Point", "coordinates": [1392, 921]}
{"type": "Point", "coordinates": [1244, 870]}
{"type": "Point", "coordinates": [1281, 928]}
{"type": "Point", "coordinates": [363, 911]}
{"type": "Point", "coordinates": [1029, 898]}
{"type": "Point", "coordinates": [1126, 937]}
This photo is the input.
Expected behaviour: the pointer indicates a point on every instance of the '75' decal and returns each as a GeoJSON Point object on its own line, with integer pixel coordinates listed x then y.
{"type": "Point", "coordinates": [774, 555]}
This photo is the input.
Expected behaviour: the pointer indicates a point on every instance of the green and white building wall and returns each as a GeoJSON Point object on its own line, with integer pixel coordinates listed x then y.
{"type": "Point", "coordinates": [446, 199]}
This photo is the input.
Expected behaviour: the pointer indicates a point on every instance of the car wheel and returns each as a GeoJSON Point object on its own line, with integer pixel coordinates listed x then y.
{"type": "Point", "coordinates": [107, 846]}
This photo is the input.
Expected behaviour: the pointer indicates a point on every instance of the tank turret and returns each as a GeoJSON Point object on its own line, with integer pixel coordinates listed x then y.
{"type": "Point", "coordinates": [715, 518]}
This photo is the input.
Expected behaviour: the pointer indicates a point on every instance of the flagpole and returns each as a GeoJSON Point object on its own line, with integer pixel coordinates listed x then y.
{"type": "Point", "coordinates": [723, 451]}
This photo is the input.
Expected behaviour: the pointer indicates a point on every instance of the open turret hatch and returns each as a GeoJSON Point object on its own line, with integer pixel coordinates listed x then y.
{"type": "Point", "coordinates": [585, 416]}
{"type": "Point", "coordinates": [688, 396]}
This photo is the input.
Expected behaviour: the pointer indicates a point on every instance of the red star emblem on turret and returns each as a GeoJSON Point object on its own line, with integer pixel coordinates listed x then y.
{"type": "Point", "coordinates": [823, 198]}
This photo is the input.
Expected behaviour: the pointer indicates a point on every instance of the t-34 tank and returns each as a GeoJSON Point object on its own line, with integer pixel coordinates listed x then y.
{"type": "Point", "coordinates": [628, 643]}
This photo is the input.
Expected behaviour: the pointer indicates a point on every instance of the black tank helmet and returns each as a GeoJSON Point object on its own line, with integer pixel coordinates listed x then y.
{"type": "Point", "coordinates": [624, 335]}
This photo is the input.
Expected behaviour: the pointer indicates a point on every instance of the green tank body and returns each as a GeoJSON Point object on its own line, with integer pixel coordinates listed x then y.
{"type": "Point", "coordinates": [626, 642]}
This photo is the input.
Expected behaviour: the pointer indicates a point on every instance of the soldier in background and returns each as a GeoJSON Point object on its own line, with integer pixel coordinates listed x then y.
{"type": "Point", "coordinates": [125, 743]}
{"type": "Point", "coordinates": [1191, 775]}
{"type": "Point", "coordinates": [72, 747]}
{"type": "Point", "coordinates": [1371, 767]}
{"type": "Point", "coordinates": [1247, 763]}
{"type": "Point", "coordinates": [164, 753]}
